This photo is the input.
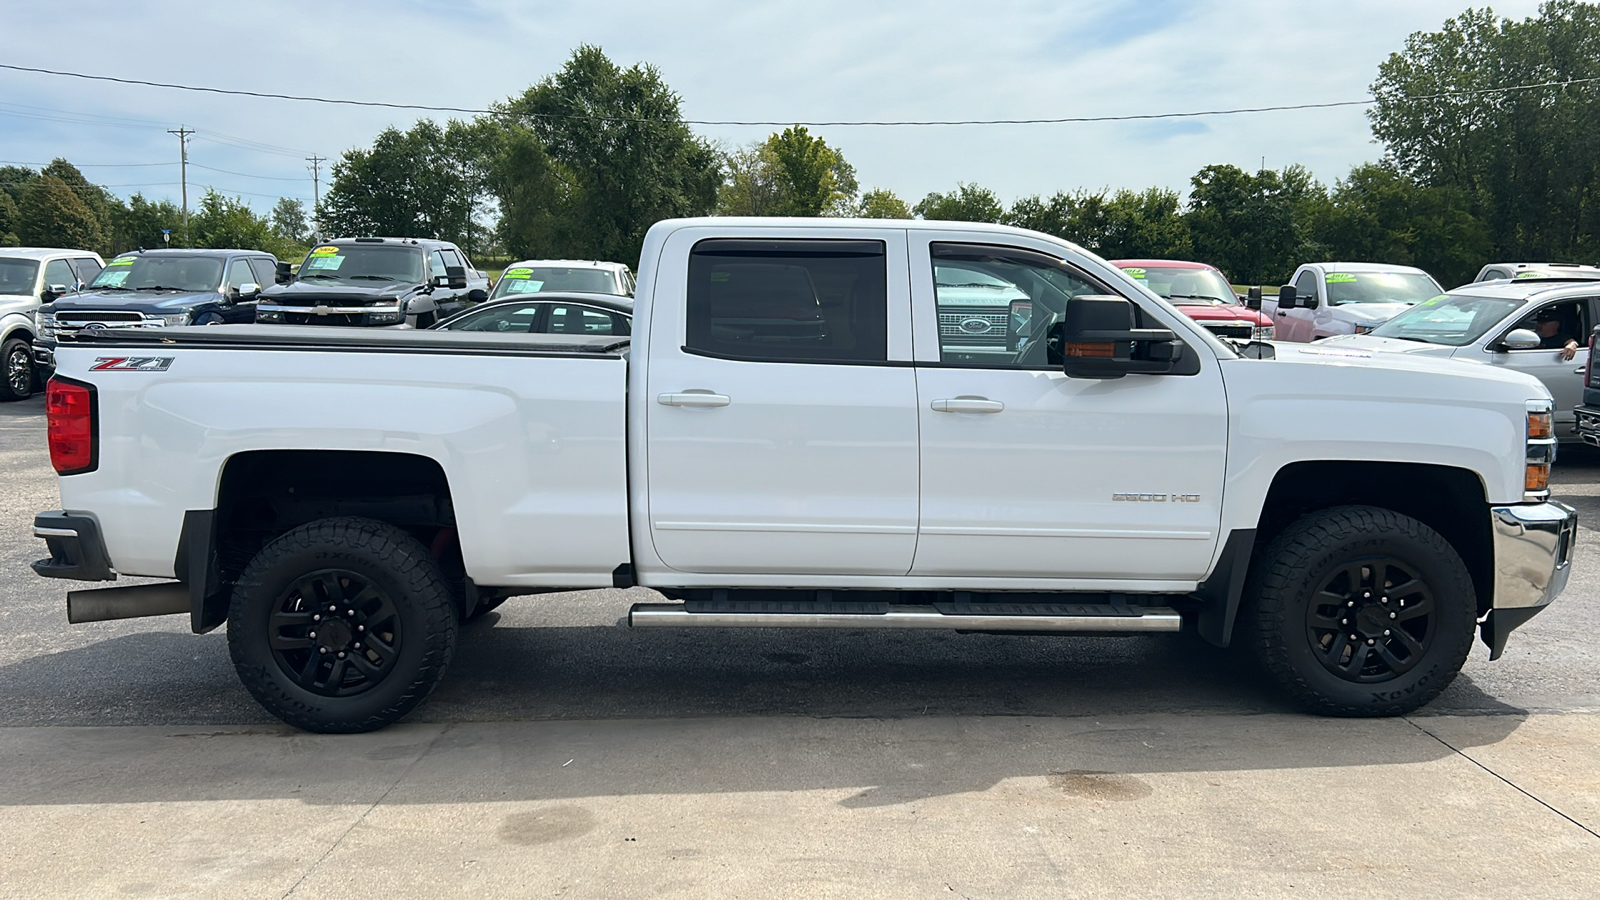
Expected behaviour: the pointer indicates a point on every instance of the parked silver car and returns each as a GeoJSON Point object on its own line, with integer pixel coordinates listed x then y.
{"type": "Point", "coordinates": [540, 276]}
{"type": "Point", "coordinates": [1525, 270]}
{"type": "Point", "coordinates": [1535, 325]}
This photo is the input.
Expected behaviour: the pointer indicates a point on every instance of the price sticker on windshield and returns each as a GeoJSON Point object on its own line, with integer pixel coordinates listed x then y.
{"type": "Point", "coordinates": [1135, 273]}
{"type": "Point", "coordinates": [518, 273]}
{"type": "Point", "coordinates": [120, 261]}
{"type": "Point", "coordinates": [325, 262]}
{"type": "Point", "coordinates": [1340, 278]}
{"type": "Point", "coordinates": [325, 251]}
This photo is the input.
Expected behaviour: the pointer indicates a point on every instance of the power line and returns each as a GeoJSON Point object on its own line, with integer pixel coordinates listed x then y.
{"type": "Point", "coordinates": [38, 165]}
{"type": "Point", "coordinates": [242, 174]}
{"type": "Point", "coordinates": [1063, 120]}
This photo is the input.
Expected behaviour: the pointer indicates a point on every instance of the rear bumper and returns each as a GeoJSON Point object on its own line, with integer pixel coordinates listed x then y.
{"type": "Point", "coordinates": [1533, 545]}
{"type": "Point", "coordinates": [77, 550]}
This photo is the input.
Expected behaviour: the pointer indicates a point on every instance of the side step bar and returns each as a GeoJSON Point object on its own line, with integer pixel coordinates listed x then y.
{"type": "Point", "coordinates": [1024, 617]}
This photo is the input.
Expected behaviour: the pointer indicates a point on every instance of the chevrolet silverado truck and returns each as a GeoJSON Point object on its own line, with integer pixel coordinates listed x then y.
{"type": "Point", "coordinates": [375, 281]}
{"type": "Point", "coordinates": [792, 438]}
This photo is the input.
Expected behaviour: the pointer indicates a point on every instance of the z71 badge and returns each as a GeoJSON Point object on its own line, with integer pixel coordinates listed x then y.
{"type": "Point", "coordinates": [132, 364]}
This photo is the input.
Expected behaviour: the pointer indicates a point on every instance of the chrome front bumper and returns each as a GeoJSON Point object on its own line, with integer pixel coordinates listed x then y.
{"type": "Point", "coordinates": [1533, 545]}
{"type": "Point", "coordinates": [1588, 425]}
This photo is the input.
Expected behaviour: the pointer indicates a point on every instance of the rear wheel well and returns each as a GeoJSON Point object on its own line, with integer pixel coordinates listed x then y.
{"type": "Point", "coordinates": [266, 493]}
{"type": "Point", "coordinates": [1449, 500]}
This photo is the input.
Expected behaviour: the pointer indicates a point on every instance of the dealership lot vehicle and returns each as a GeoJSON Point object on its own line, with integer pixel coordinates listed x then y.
{"type": "Point", "coordinates": [793, 440]}
{"type": "Point", "coordinates": [556, 313]}
{"type": "Point", "coordinates": [537, 276]}
{"type": "Point", "coordinates": [1325, 299]}
{"type": "Point", "coordinates": [375, 281]}
{"type": "Point", "coordinates": [30, 277]}
{"type": "Point", "coordinates": [159, 289]}
{"type": "Point", "coordinates": [1537, 326]}
{"type": "Point", "coordinates": [1504, 271]}
{"type": "Point", "coordinates": [1202, 293]}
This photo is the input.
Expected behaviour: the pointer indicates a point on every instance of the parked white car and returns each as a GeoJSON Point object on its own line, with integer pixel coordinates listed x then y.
{"type": "Point", "coordinates": [1518, 271]}
{"type": "Point", "coordinates": [29, 278]}
{"type": "Point", "coordinates": [584, 276]}
{"type": "Point", "coordinates": [1325, 299]}
{"type": "Point", "coordinates": [1525, 326]}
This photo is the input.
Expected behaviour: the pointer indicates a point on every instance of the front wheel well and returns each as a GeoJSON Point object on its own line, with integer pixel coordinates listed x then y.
{"type": "Point", "coordinates": [1450, 500]}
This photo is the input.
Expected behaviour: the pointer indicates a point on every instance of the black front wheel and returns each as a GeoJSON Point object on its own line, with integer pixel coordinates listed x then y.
{"type": "Point", "coordinates": [17, 357]}
{"type": "Point", "coordinates": [1361, 611]}
{"type": "Point", "coordinates": [342, 625]}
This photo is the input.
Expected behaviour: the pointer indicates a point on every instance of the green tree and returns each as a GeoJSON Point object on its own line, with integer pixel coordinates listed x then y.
{"type": "Point", "coordinates": [881, 203]}
{"type": "Point", "coordinates": [791, 173]}
{"type": "Point", "coordinates": [623, 158]}
{"type": "Point", "coordinates": [289, 222]}
{"type": "Point", "coordinates": [139, 223]}
{"type": "Point", "coordinates": [1254, 227]}
{"type": "Point", "coordinates": [417, 183]}
{"type": "Point", "coordinates": [51, 214]}
{"type": "Point", "coordinates": [96, 198]}
{"type": "Point", "coordinates": [14, 181]}
{"type": "Point", "coordinates": [1380, 215]}
{"type": "Point", "coordinates": [967, 203]}
{"type": "Point", "coordinates": [229, 223]}
{"type": "Point", "coordinates": [8, 221]}
{"type": "Point", "coordinates": [1126, 224]}
{"type": "Point", "coordinates": [1528, 161]}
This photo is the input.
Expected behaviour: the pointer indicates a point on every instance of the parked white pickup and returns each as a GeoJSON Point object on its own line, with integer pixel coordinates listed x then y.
{"type": "Point", "coordinates": [797, 438]}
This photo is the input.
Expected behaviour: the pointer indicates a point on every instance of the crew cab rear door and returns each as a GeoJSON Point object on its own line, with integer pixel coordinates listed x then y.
{"type": "Point", "coordinates": [782, 410]}
{"type": "Point", "coordinates": [1030, 475]}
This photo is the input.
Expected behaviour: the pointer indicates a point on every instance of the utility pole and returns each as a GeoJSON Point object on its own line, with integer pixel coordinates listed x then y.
{"type": "Point", "coordinates": [316, 192]}
{"type": "Point", "coordinates": [183, 172]}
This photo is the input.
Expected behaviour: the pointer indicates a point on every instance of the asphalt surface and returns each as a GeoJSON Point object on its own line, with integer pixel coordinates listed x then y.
{"type": "Point", "coordinates": [565, 755]}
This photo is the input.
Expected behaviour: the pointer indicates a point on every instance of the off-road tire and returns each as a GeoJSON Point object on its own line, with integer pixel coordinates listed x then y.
{"type": "Point", "coordinates": [397, 568]}
{"type": "Point", "coordinates": [13, 352]}
{"type": "Point", "coordinates": [1294, 572]}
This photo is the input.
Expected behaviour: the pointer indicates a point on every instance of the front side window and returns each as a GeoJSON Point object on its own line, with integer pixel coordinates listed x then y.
{"type": "Point", "coordinates": [239, 275]}
{"type": "Point", "coordinates": [266, 270]}
{"type": "Point", "coordinates": [436, 264]}
{"type": "Point", "coordinates": [363, 264]}
{"type": "Point", "coordinates": [1558, 323]}
{"type": "Point", "coordinates": [58, 273]}
{"type": "Point", "coordinates": [789, 300]}
{"type": "Point", "coordinates": [1002, 307]}
{"type": "Point", "coordinates": [160, 273]}
{"type": "Point", "coordinates": [511, 318]}
{"type": "Point", "coordinates": [87, 268]}
{"type": "Point", "coordinates": [1305, 286]}
{"type": "Point", "coordinates": [566, 318]}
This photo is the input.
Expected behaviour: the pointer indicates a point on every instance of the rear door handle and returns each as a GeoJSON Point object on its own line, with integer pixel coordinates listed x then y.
{"type": "Point", "coordinates": [694, 399]}
{"type": "Point", "coordinates": [967, 405]}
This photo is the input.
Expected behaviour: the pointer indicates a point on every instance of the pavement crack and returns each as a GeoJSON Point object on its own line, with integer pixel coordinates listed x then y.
{"type": "Point", "coordinates": [1508, 782]}
{"type": "Point", "coordinates": [366, 812]}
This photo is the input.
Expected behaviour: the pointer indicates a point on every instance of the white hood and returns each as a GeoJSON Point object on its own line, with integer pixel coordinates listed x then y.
{"type": "Point", "coordinates": [1367, 313]}
{"type": "Point", "coordinates": [1388, 345]}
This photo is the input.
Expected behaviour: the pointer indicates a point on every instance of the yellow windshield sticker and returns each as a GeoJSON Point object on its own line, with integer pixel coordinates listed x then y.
{"type": "Point", "coordinates": [121, 261]}
{"type": "Point", "coordinates": [1340, 278]}
{"type": "Point", "coordinates": [518, 273]}
{"type": "Point", "coordinates": [1530, 275]}
{"type": "Point", "coordinates": [325, 251]}
{"type": "Point", "coordinates": [1135, 273]}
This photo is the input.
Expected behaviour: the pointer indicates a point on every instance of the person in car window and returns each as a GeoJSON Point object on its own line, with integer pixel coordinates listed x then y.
{"type": "Point", "coordinates": [1555, 332]}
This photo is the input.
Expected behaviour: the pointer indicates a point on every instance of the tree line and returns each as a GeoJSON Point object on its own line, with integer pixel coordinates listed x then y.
{"type": "Point", "coordinates": [583, 162]}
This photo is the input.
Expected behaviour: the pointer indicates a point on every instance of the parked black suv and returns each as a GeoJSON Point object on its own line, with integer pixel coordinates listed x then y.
{"type": "Point", "coordinates": [375, 281]}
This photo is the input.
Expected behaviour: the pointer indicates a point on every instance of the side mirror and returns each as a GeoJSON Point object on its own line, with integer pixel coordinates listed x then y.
{"type": "Point", "coordinates": [53, 293]}
{"type": "Point", "coordinates": [246, 291]}
{"type": "Point", "coordinates": [1286, 297]}
{"type": "Point", "coordinates": [1253, 298]}
{"type": "Point", "coordinates": [456, 277]}
{"type": "Point", "coordinates": [1521, 339]}
{"type": "Point", "coordinates": [1098, 340]}
{"type": "Point", "coordinates": [284, 273]}
{"type": "Point", "coordinates": [477, 295]}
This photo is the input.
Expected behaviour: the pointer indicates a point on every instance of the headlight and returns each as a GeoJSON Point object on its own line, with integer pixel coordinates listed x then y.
{"type": "Point", "coordinates": [268, 315]}
{"type": "Point", "coordinates": [383, 318]}
{"type": "Point", "coordinates": [47, 325]}
{"type": "Point", "coordinates": [1364, 329]}
{"type": "Point", "coordinates": [175, 319]}
{"type": "Point", "coordinates": [1262, 333]}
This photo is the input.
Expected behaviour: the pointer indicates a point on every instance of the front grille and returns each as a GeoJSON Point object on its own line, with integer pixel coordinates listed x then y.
{"type": "Point", "coordinates": [982, 326]}
{"type": "Point", "coordinates": [116, 318]}
{"type": "Point", "coordinates": [1242, 332]}
{"type": "Point", "coordinates": [329, 319]}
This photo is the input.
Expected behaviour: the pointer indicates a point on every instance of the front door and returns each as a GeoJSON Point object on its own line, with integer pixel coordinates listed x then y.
{"type": "Point", "coordinates": [1029, 474]}
{"type": "Point", "coordinates": [1555, 323]}
{"type": "Point", "coordinates": [782, 407]}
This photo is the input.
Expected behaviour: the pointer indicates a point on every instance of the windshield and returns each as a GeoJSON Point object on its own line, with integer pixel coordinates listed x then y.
{"type": "Point", "coordinates": [17, 275]}
{"type": "Point", "coordinates": [1380, 287]}
{"type": "Point", "coordinates": [363, 265]}
{"type": "Point", "coordinates": [542, 279]}
{"type": "Point", "coordinates": [1186, 286]}
{"type": "Point", "coordinates": [160, 273]}
{"type": "Point", "coordinates": [1450, 320]}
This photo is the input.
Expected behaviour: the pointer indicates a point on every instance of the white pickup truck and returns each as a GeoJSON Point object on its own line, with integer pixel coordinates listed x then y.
{"type": "Point", "coordinates": [797, 437]}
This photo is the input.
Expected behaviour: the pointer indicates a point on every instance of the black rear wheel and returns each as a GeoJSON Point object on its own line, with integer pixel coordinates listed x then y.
{"type": "Point", "coordinates": [342, 625]}
{"type": "Point", "coordinates": [1360, 611]}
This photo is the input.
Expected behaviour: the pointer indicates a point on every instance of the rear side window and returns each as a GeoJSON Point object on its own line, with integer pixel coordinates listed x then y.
{"type": "Point", "coordinates": [266, 270]}
{"type": "Point", "coordinates": [789, 300]}
{"type": "Point", "coordinates": [86, 268]}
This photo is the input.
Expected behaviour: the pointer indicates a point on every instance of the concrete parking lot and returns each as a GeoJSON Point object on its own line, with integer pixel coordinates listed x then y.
{"type": "Point", "coordinates": [565, 756]}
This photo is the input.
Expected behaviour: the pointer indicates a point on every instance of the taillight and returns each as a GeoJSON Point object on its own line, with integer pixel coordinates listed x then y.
{"type": "Point", "coordinates": [71, 426]}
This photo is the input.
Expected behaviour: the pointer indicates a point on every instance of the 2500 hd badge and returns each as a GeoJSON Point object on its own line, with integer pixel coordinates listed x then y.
{"type": "Point", "coordinates": [1155, 498]}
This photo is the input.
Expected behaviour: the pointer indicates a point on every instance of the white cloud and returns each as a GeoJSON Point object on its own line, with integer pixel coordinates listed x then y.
{"type": "Point", "coordinates": [779, 59]}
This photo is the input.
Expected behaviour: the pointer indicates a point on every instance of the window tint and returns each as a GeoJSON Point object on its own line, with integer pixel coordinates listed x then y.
{"type": "Point", "coordinates": [87, 268]}
{"type": "Point", "coordinates": [58, 273]}
{"type": "Point", "coordinates": [452, 258]}
{"type": "Point", "coordinates": [1558, 323]}
{"type": "Point", "coordinates": [787, 300]}
{"type": "Point", "coordinates": [436, 264]}
{"type": "Point", "coordinates": [1000, 307]}
{"type": "Point", "coordinates": [570, 319]}
{"type": "Point", "coordinates": [510, 318]}
{"type": "Point", "coordinates": [1305, 285]}
{"type": "Point", "coordinates": [239, 274]}
{"type": "Point", "coordinates": [266, 270]}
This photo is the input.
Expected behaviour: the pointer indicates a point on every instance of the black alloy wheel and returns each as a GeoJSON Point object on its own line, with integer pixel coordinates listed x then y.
{"type": "Point", "coordinates": [1371, 620]}
{"type": "Point", "coordinates": [335, 633]}
{"type": "Point", "coordinates": [17, 356]}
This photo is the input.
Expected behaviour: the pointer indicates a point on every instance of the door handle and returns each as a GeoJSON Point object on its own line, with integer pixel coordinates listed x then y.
{"type": "Point", "coordinates": [1580, 370]}
{"type": "Point", "coordinates": [1283, 314]}
{"type": "Point", "coordinates": [694, 399]}
{"type": "Point", "coordinates": [967, 405]}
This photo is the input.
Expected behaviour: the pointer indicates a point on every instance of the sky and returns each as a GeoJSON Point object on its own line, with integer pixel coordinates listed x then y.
{"type": "Point", "coordinates": [783, 60]}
